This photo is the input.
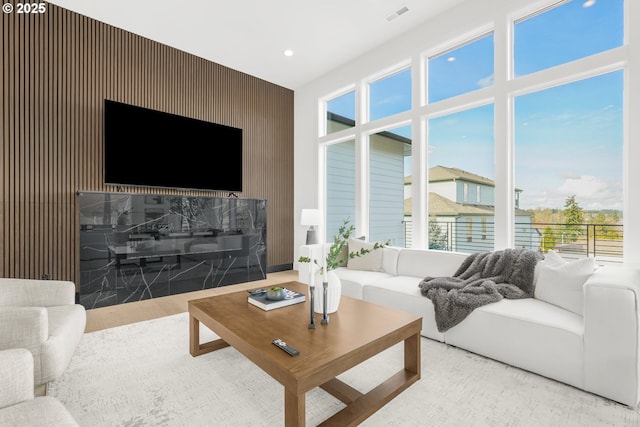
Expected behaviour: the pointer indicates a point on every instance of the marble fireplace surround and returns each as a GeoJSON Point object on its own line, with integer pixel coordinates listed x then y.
{"type": "Point", "coordinates": [140, 246]}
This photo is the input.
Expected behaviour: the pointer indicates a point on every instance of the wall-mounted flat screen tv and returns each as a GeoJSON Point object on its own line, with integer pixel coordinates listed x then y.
{"type": "Point", "coordinates": [145, 147]}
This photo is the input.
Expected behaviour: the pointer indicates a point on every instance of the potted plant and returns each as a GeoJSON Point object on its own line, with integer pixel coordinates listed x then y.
{"type": "Point", "coordinates": [335, 257]}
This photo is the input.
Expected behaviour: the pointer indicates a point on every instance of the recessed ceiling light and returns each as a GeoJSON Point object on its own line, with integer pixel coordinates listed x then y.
{"type": "Point", "coordinates": [288, 52]}
{"type": "Point", "coordinates": [589, 3]}
{"type": "Point", "coordinates": [451, 58]}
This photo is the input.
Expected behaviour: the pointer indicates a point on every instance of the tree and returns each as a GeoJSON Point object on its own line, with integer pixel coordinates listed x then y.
{"type": "Point", "coordinates": [573, 217]}
{"type": "Point", "coordinates": [437, 237]}
{"type": "Point", "coordinates": [603, 228]}
{"type": "Point", "coordinates": [615, 217]}
{"type": "Point", "coordinates": [548, 239]}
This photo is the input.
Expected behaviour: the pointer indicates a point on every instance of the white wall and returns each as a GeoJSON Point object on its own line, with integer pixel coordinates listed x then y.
{"type": "Point", "coordinates": [454, 25]}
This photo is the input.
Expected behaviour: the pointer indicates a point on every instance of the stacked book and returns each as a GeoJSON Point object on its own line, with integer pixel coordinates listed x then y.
{"type": "Point", "coordinates": [259, 299]}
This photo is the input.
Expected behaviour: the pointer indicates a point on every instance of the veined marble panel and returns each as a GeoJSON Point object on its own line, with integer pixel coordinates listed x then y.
{"type": "Point", "coordinates": [140, 246]}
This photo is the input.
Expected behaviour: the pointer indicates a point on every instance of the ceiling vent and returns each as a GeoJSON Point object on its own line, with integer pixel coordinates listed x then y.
{"type": "Point", "coordinates": [394, 15]}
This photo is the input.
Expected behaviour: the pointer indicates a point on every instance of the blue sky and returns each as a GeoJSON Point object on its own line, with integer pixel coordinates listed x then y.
{"type": "Point", "coordinates": [568, 139]}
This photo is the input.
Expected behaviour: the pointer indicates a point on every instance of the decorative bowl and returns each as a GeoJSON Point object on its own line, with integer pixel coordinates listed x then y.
{"type": "Point", "coordinates": [276, 294]}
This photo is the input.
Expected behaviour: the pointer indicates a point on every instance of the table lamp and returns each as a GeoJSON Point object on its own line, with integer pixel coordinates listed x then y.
{"type": "Point", "coordinates": [311, 218]}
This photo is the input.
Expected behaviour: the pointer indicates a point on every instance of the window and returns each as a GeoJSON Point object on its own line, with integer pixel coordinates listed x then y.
{"type": "Point", "coordinates": [341, 113]}
{"type": "Point", "coordinates": [462, 154]}
{"type": "Point", "coordinates": [341, 186]}
{"type": "Point", "coordinates": [568, 149]}
{"type": "Point", "coordinates": [484, 228]}
{"type": "Point", "coordinates": [567, 32]}
{"type": "Point", "coordinates": [390, 95]}
{"type": "Point", "coordinates": [389, 172]}
{"type": "Point", "coordinates": [461, 70]}
{"type": "Point", "coordinates": [550, 128]}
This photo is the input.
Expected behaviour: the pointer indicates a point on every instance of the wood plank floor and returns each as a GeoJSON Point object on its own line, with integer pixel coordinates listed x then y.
{"type": "Point", "coordinates": [122, 314]}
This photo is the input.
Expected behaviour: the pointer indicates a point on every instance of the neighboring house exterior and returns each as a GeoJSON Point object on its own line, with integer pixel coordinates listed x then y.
{"type": "Point", "coordinates": [387, 153]}
{"type": "Point", "coordinates": [461, 204]}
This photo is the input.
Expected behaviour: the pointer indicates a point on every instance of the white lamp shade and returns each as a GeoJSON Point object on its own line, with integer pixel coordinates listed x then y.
{"type": "Point", "coordinates": [310, 217]}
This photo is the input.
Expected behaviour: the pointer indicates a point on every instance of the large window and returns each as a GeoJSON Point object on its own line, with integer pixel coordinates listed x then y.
{"type": "Point", "coordinates": [390, 95]}
{"type": "Point", "coordinates": [569, 157]}
{"type": "Point", "coordinates": [389, 170]}
{"type": "Point", "coordinates": [569, 137]}
{"type": "Point", "coordinates": [570, 31]}
{"type": "Point", "coordinates": [461, 184]}
{"type": "Point", "coordinates": [341, 113]}
{"type": "Point", "coordinates": [517, 139]}
{"type": "Point", "coordinates": [461, 70]}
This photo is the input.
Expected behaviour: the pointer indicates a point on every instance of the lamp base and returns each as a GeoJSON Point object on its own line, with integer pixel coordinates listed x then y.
{"type": "Point", "coordinates": [312, 235]}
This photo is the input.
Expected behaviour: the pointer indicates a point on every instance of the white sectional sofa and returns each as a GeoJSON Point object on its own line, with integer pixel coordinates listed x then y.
{"type": "Point", "coordinates": [42, 317]}
{"type": "Point", "coordinates": [581, 328]}
{"type": "Point", "coordinates": [18, 405]}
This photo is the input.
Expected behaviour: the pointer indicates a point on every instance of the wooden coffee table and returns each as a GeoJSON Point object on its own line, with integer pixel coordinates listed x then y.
{"type": "Point", "coordinates": [356, 332]}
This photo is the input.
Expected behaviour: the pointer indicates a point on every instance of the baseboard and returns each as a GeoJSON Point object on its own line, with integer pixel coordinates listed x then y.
{"type": "Point", "coordinates": [281, 267]}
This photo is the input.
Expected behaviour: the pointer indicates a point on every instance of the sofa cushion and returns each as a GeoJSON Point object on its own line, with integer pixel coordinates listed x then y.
{"type": "Point", "coordinates": [527, 333]}
{"type": "Point", "coordinates": [390, 259]}
{"type": "Point", "coordinates": [352, 281]}
{"type": "Point", "coordinates": [560, 282]}
{"type": "Point", "coordinates": [368, 262]}
{"type": "Point", "coordinates": [37, 412]}
{"type": "Point", "coordinates": [402, 293]}
{"type": "Point", "coordinates": [16, 371]}
{"type": "Point", "coordinates": [421, 263]}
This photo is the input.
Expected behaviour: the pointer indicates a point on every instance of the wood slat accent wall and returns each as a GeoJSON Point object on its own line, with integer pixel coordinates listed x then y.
{"type": "Point", "coordinates": [57, 69]}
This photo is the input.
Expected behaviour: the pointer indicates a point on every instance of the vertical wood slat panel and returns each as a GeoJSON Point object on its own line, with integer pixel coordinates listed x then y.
{"type": "Point", "coordinates": [57, 68]}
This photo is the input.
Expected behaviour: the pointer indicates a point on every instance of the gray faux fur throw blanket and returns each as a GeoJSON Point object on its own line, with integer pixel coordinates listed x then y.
{"type": "Point", "coordinates": [481, 279]}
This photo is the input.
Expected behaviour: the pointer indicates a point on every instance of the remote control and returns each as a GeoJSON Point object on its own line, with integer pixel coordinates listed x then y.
{"type": "Point", "coordinates": [286, 347]}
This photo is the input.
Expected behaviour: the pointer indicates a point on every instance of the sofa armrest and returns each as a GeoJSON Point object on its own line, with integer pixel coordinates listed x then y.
{"type": "Point", "coordinates": [23, 327]}
{"type": "Point", "coordinates": [36, 293]}
{"type": "Point", "coordinates": [16, 371]}
{"type": "Point", "coordinates": [612, 333]}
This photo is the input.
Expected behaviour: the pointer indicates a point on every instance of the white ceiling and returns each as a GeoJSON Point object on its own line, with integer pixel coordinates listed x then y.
{"type": "Point", "coordinates": [251, 35]}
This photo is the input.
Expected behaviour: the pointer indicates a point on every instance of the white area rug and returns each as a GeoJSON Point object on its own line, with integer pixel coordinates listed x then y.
{"type": "Point", "coordinates": [143, 375]}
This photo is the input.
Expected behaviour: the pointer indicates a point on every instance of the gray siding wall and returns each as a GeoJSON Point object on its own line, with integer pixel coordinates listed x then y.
{"type": "Point", "coordinates": [386, 192]}
{"type": "Point", "coordinates": [341, 186]}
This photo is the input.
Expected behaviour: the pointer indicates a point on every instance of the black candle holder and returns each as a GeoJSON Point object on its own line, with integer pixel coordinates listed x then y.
{"type": "Point", "coordinates": [325, 316]}
{"type": "Point", "coordinates": [312, 321]}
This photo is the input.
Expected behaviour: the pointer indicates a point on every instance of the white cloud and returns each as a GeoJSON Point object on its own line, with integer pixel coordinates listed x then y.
{"type": "Point", "coordinates": [569, 176]}
{"type": "Point", "coordinates": [585, 187]}
{"type": "Point", "coordinates": [486, 81]}
{"type": "Point", "coordinates": [591, 193]}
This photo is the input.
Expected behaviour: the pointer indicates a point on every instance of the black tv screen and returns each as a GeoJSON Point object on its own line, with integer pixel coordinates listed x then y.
{"type": "Point", "coordinates": [144, 147]}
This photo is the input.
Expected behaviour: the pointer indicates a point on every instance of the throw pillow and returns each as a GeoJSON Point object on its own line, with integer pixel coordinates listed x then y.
{"type": "Point", "coordinates": [344, 253]}
{"type": "Point", "coordinates": [368, 262]}
{"type": "Point", "coordinates": [560, 281]}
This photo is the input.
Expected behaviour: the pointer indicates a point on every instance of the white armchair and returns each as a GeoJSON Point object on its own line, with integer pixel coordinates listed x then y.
{"type": "Point", "coordinates": [42, 317]}
{"type": "Point", "coordinates": [18, 406]}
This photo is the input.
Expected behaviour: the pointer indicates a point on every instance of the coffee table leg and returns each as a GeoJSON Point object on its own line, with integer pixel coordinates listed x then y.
{"type": "Point", "coordinates": [294, 409]}
{"type": "Point", "coordinates": [194, 335]}
{"type": "Point", "coordinates": [195, 348]}
{"type": "Point", "coordinates": [412, 354]}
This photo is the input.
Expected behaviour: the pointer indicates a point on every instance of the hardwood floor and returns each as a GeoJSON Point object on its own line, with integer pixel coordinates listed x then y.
{"type": "Point", "coordinates": [117, 315]}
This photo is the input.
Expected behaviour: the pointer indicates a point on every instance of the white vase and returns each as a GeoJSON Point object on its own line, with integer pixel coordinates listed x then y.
{"type": "Point", "coordinates": [334, 292]}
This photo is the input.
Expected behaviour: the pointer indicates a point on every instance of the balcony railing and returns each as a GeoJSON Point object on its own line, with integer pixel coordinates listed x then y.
{"type": "Point", "coordinates": [602, 241]}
